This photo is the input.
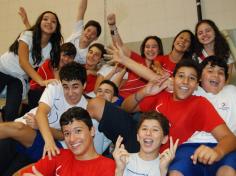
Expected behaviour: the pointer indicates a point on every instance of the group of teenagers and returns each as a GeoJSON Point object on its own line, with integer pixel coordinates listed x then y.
{"type": "Point", "coordinates": [159, 114]}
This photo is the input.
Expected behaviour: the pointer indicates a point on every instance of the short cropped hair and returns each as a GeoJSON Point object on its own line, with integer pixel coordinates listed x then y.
{"type": "Point", "coordinates": [73, 71]}
{"type": "Point", "coordinates": [113, 85]}
{"type": "Point", "coordinates": [76, 113]}
{"type": "Point", "coordinates": [188, 62]}
{"type": "Point", "coordinates": [100, 47]}
{"type": "Point", "coordinates": [154, 115]}
{"type": "Point", "coordinates": [68, 49]}
{"type": "Point", "coordinates": [215, 61]}
{"type": "Point", "coordinates": [95, 24]}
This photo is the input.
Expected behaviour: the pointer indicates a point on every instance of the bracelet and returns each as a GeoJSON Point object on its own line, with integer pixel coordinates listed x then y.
{"type": "Point", "coordinates": [114, 32]}
{"type": "Point", "coordinates": [136, 97]}
{"type": "Point", "coordinates": [111, 24]}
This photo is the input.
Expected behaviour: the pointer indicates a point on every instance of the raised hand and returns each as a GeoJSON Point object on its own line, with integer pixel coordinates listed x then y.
{"type": "Point", "coordinates": [155, 86]}
{"type": "Point", "coordinates": [24, 18]}
{"type": "Point", "coordinates": [120, 154]}
{"type": "Point", "coordinates": [167, 156]}
{"type": "Point", "coordinates": [111, 19]}
{"type": "Point", "coordinates": [115, 54]}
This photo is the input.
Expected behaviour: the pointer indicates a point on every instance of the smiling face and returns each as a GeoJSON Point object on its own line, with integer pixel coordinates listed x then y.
{"type": "Point", "coordinates": [65, 59]}
{"type": "Point", "coordinates": [150, 136]}
{"type": "Point", "coordinates": [151, 49]}
{"type": "Point", "coordinates": [78, 138]}
{"type": "Point", "coordinates": [93, 57]}
{"type": "Point", "coordinates": [205, 34]}
{"type": "Point", "coordinates": [213, 78]}
{"type": "Point", "coordinates": [185, 82]}
{"type": "Point", "coordinates": [73, 91]}
{"type": "Point", "coordinates": [89, 35]}
{"type": "Point", "coordinates": [105, 91]}
{"type": "Point", "coordinates": [182, 42]}
{"type": "Point", "coordinates": [48, 23]}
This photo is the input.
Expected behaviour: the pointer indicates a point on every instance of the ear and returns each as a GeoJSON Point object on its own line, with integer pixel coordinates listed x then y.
{"type": "Point", "coordinates": [138, 138]}
{"type": "Point", "coordinates": [165, 139]}
{"type": "Point", "coordinates": [92, 131]}
{"type": "Point", "coordinates": [85, 84]}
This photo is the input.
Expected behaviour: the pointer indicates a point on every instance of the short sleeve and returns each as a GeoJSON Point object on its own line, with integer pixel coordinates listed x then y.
{"type": "Point", "coordinates": [49, 95]}
{"type": "Point", "coordinates": [26, 37]}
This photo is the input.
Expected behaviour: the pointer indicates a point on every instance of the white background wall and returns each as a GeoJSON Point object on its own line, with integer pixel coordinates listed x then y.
{"type": "Point", "coordinates": [135, 18]}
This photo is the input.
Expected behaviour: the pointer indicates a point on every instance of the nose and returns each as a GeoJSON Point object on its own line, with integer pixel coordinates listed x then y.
{"type": "Point", "coordinates": [185, 80]}
{"type": "Point", "coordinates": [72, 137]}
{"type": "Point", "coordinates": [70, 92]}
{"type": "Point", "coordinates": [148, 133]}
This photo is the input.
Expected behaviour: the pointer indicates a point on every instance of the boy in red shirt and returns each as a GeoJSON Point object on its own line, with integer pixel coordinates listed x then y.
{"type": "Point", "coordinates": [81, 157]}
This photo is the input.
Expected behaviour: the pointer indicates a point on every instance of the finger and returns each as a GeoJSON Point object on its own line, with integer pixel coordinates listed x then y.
{"type": "Point", "coordinates": [118, 141]}
{"type": "Point", "coordinates": [44, 153]}
{"type": "Point", "coordinates": [176, 145]}
{"type": "Point", "coordinates": [171, 143]}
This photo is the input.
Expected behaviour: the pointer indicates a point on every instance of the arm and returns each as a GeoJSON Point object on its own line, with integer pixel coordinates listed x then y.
{"type": "Point", "coordinates": [117, 55]}
{"type": "Point", "coordinates": [23, 53]}
{"type": "Point", "coordinates": [81, 9]}
{"type": "Point", "coordinates": [167, 156]}
{"type": "Point", "coordinates": [24, 18]}
{"type": "Point", "coordinates": [116, 39]}
{"type": "Point", "coordinates": [116, 70]}
{"type": "Point", "coordinates": [120, 156]}
{"type": "Point", "coordinates": [131, 103]}
{"type": "Point", "coordinates": [50, 147]}
{"type": "Point", "coordinates": [226, 144]}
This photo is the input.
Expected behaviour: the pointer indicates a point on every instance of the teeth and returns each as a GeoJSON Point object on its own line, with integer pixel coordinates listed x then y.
{"type": "Point", "coordinates": [184, 88]}
{"type": "Point", "coordinates": [75, 145]}
{"type": "Point", "coordinates": [214, 83]}
{"type": "Point", "coordinates": [148, 141]}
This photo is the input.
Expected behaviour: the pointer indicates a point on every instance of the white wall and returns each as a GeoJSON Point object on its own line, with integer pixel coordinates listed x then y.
{"type": "Point", "coordinates": [136, 18]}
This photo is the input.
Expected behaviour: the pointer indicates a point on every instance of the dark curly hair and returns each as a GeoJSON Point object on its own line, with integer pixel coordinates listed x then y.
{"type": "Point", "coordinates": [221, 47]}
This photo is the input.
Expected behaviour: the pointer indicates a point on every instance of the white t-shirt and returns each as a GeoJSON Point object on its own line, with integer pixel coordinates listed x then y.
{"type": "Point", "coordinates": [139, 167]}
{"type": "Point", "coordinates": [53, 96]}
{"type": "Point", "coordinates": [106, 69]}
{"type": "Point", "coordinates": [9, 62]}
{"type": "Point", "coordinates": [225, 104]}
{"type": "Point", "coordinates": [74, 38]}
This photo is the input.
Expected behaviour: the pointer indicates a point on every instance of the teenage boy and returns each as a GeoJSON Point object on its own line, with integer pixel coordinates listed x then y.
{"type": "Point", "coordinates": [152, 132]}
{"type": "Point", "coordinates": [81, 157]}
{"type": "Point", "coordinates": [84, 35]}
{"type": "Point", "coordinates": [214, 75]}
{"type": "Point", "coordinates": [55, 100]}
{"type": "Point", "coordinates": [186, 113]}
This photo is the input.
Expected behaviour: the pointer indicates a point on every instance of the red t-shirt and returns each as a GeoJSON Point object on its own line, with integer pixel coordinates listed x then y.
{"type": "Point", "coordinates": [185, 116]}
{"type": "Point", "coordinates": [134, 82]}
{"type": "Point", "coordinates": [45, 71]}
{"type": "Point", "coordinates": [91, 80]}
{"type": "Point", "coordinates": [65, 164]}
{"type": "Point", "coordinates": [166, 63]}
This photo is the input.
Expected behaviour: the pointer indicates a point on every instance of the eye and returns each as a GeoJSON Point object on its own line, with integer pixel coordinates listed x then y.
{"type": "Point", "coordinates": [77, 131]}
{"type": "Point", "coordinates": [66, 134]}
{"type": "Point", "coordinates": [193, 78]}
